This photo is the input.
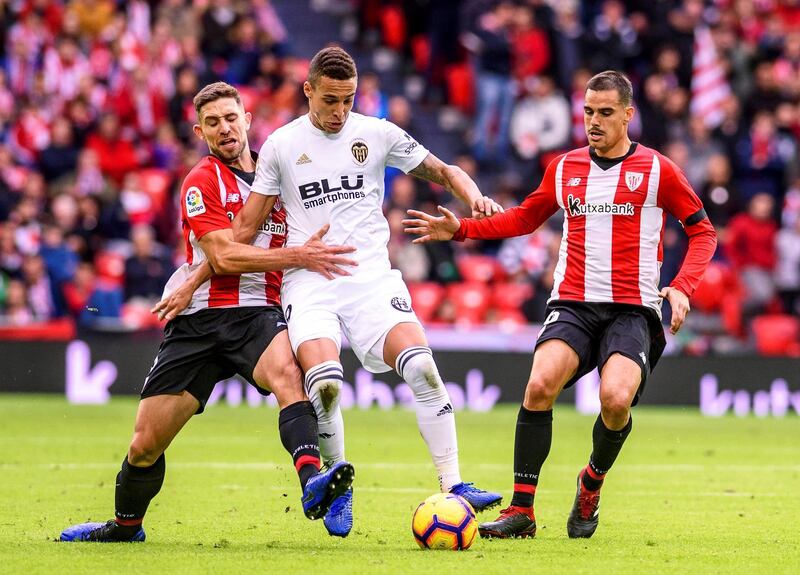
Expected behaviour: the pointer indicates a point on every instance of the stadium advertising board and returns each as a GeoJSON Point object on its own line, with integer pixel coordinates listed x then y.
{"type": "Point", "coordinates": [93, 368]}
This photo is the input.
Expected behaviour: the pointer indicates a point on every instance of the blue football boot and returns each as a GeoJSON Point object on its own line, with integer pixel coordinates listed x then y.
{"type": "Point", "coordinates": [479, 499]}
{"type": "Point", "coordinates": [108, 532]}
{"type": "Point", "coordinates": [339, 518]}
{"type": "Point", "coordinates": [324, 487]}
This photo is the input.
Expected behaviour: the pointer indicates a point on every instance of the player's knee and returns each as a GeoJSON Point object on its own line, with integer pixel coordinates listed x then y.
{"type": "Point", "coordinates": [615, 404]}
{"type": "Point", "coordinates": [326, 394]}
{"type": "Point", "coordinates": [285, 381]}
{"type": "Point", "coordinates": [540, 393]}
{"type": "Point", "coordinates": [422, 376]}
{"type": "Point", "coordinates": [143, 451]}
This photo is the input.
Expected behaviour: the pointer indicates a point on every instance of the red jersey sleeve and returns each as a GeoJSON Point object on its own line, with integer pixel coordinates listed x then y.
{"type": "Point", "coordinates": [677, 198]}
{"type": "Point", "coordinates": [523, 219]}
{"type": "Point", "coordinates": [201, 206]}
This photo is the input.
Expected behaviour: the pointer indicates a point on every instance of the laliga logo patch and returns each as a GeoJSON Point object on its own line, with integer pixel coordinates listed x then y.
{"type": "Point", "coordinates": [633, 179]}
{"type": "Point", "coordinates": [400, 304]}
{"type": "Point", "coordinates": [360, 151]}
{"type": "Point", "coordinates": [194, 202]}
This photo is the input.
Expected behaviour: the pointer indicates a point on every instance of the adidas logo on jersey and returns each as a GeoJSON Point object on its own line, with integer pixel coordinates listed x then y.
{"type": "Point", "coordinates": [303, 159]}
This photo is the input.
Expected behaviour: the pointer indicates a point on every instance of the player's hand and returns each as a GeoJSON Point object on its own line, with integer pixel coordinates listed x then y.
{"type": "Point", "coordinates": [485, 207]}
{"type": "Point", "coordinates": [169, 307]}
{"type": "Point", "coordinates": [680, 307]}
{"type": "Point", "coordinates": [317, 256]}
{"type": "Point", "coordinates": [431, 228]}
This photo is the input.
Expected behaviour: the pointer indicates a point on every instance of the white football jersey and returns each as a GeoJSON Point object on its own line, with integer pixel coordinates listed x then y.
{"type": "Point", "coordinates": [336, 179]}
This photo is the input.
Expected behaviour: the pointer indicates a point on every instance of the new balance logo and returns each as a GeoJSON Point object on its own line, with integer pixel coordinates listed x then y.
{"type": "Point", "coordinates": [304, 159]}
{"type": "Point", "coordinates": [574, 182]}
{"type": "Point", "coordinates": [445, 410]}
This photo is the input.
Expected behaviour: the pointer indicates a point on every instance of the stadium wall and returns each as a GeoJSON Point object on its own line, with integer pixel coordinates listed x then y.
{"type": "Point", "coordinates": [92, 368]}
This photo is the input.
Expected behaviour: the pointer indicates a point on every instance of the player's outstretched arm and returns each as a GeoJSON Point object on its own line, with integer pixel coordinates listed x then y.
{"type": "Point", "coordinates": [458, 183]}
{"type": "Point", "coordinates": [431, 228]}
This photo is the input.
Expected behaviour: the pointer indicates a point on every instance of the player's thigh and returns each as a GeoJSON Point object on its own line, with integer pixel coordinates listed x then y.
{"type": "Point", "coordinates": [277, 371]}
{"type": "Point", "coordinates": [311, 315]}
{"type": "Point", "coordinates": [620, 378]}
{"type": "Point", "coordinates": [158, 420]}
{"type": "Point", "coordinates": [400, 337]}
{"type": "Point", "coordinates": [623, 359]}
{"type": "Point", "coordinates": [555, 363]}
{"type": "Point", "coordinates": [371, 308]}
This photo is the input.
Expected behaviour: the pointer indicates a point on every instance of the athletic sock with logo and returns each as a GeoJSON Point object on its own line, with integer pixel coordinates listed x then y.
{"type": "Point", "coordinates": [606, 445]}
{"type": "Point", "coordinates": [297, 424]}
{"type": "Point", "coordinates": [435, 417]}
{"type": "Point", "coordinates": [136, 487]}
{"type": "Point", "coordinates": [323, 385]}
{"type": "Point", "coordinates": [531, 447]}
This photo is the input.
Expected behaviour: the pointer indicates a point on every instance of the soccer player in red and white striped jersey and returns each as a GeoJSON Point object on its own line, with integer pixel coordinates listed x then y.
{"type": "Point", "coordinates": [605, 307]}
{"type": "Point", "coordinates": [233, 324]}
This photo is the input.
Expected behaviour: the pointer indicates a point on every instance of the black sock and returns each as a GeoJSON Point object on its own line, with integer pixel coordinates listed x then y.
{"type": "Point", "coordinates": [606, 445]}
{"type": "Point", "coordinates": [531, 448]}
{"type": "Point", "coordinates": [297, 424]}
{"type": "Point", "coordinates": [136, 487]}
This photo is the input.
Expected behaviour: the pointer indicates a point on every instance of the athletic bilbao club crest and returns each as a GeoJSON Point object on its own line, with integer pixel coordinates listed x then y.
{"type": "Point", "coordinates": [633, 179]}
{"type": "Point", "coordinates": [360, 151]}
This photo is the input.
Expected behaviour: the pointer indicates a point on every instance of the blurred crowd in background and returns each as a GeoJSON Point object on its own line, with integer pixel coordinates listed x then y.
{"type": "Point", "coordinates": [96, 122]}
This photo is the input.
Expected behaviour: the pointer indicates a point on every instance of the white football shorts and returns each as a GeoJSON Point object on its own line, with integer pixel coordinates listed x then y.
{"type": "Point", "coordinates": [364, 306]}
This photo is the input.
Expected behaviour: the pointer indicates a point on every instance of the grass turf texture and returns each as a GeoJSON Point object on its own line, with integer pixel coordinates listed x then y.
{"type": "Point", "coordinates": [688, 494]}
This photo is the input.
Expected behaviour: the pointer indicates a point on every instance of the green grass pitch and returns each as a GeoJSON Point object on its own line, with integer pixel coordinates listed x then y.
{"type": "Point", "coordinates": [687, 495]}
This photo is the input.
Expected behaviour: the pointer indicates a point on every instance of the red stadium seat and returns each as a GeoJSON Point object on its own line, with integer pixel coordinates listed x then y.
{"type": "Point", "coordinates": [425, 299]}
{"type": "Point", "coordinates": [110, 266]}
{"type": "Point", "coordinates": [138, 316]}
{"type": "Point", "coordinates": [393, 27]}
{"type": "Point", "coordinates": [155, 183]}
{"type": "Point", "coordinates": [720, 292]}
{"type": "Point", "coordinates": [421, 53]}
{"type": "Point", "coordinates": [511, 295]}
{"type": "Point", "coordinates": [460, 87]}
{"type": "Point", "coordinates": [471, 300]}
{"type": "Point", "coordinates": [510, 318]}
{"type": "Point", "coordinates": [777, 334]}
{"type": "Point", "coordinates": [478, 268]}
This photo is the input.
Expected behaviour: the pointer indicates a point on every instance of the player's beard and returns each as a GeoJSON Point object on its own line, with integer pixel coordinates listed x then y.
{"type": "Point", "coordinates": [229, 155]}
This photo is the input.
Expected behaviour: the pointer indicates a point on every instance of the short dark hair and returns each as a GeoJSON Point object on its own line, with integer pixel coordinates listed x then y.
{"type": "Point", "coordinates": [214, 92]}
{"type": "Point", "coordinates": [333, 62]}
{"type": "Point", "coordinates": [612, 80]}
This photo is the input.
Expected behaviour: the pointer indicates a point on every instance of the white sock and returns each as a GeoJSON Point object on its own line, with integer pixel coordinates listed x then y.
{"type": "Point", "coordinates": [435, 417]}
{"type": "Point", "coordinates": [323, 386]}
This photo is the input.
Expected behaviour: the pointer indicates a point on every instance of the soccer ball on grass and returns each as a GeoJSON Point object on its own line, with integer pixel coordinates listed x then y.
{"type": "Point", "coordinates": [444, 521]}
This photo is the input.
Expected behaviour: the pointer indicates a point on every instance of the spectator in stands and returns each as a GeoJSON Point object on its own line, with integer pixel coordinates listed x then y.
{"type": "Point", "coordinates": [39, 288]}
{"type": "Point", "coordinates": [116, 156]}
{"type": "Point", "coordinates": [16, 309]}
{"type": "Point", "coordinates": [147, 269]}
{"type": "Point", "coordinates": [530, 45]}
{"type": "Point", "coordinates": [494, 85]}
{"type": "Point", "coordinates": [60, 158]}
{"type": "Point", "coordinates": [612, 41]}
{"type": "Point", "coordinates": [751, 249]}
{"type": "Point", "coordinates": [90, 299]}
{"type": "Point", "coordinates": [540, 122]}
{"type": "Point", "coordinates": [718, 192]}
{"type": "Point", "coordinates": [787, 271]}
{"type": "Point", "coordinates": [370, 101]}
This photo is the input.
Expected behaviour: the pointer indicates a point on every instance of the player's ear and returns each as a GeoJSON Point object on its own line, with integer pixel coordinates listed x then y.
{"type": "Point", "coordinates": [307, 88]}
{"type": "Point", "coordinates": [248, 118]}
{"type": "Point", "coordinates": [629, 112]}
{"type": "Point", "coordinates": [198, 131]}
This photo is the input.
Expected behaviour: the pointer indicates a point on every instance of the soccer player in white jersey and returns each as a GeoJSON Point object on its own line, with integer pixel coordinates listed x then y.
{"type": "Point", "coordinates": [605, 307]}
{"type": "Point", "coordinates": [327, 167]}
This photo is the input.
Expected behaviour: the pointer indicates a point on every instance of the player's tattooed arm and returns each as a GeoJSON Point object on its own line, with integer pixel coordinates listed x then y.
{"type": "Point", "coordinates": [458, 183]}
{"type": "Point", "coordinates": [251, 216]}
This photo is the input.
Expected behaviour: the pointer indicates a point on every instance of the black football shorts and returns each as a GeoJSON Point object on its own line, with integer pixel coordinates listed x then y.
{"type": "Point", "coordinates": [211, 345]}
{"type": "Point", "coordinates": [596, 331]}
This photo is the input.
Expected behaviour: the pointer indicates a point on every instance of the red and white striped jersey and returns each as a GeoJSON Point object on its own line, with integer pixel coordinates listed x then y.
{"type": "Point", "coordinates": [211, 196]}
{"type": "Point", "coordinates": [614, 214]}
